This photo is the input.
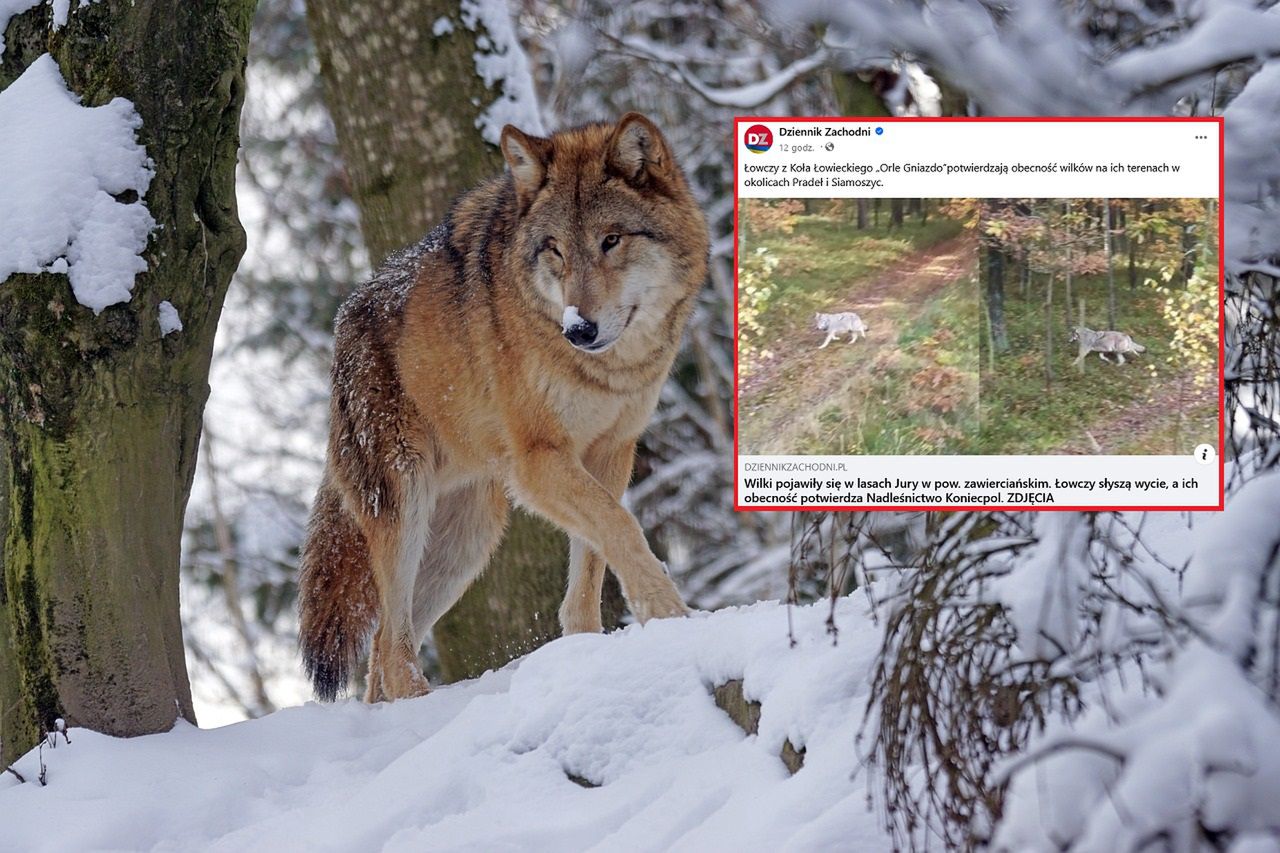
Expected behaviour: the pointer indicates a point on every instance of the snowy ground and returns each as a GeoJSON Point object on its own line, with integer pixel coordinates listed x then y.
{"type": "Point", "coordinates": [485, 765]}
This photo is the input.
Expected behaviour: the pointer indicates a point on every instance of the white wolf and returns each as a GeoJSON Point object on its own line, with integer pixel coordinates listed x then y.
{"type": "Point", "coordinates": [1117, 343]}
{"type": "Point", "coordinates": [834, 324]}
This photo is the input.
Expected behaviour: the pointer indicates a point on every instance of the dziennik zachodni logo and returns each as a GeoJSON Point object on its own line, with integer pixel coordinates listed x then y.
{"type": "Point", "coordinates": [758, 138]}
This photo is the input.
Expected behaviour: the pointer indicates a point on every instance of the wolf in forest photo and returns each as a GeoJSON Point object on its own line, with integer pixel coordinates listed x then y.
{"type": "Point", "coordinates": [1115, 343]}
{"type": "Point", "coordinates": [515, 352]}
{"type": "Point", "coordinates": [834, 324]}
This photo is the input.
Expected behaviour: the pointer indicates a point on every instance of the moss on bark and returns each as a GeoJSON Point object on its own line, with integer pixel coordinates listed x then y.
{"type": "Point", "coordinates": [99, 415]}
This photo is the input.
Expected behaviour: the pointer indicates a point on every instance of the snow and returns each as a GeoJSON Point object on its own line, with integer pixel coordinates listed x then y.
{"type": "Point", "coordinates": [571, 317]}
{"type": "Point", "coordinates": [1228, 33]}
{"type": "Point", "coordinates": [504, 68]}
{"type": "Point", "coordinates": [1041, 596]}
{"type": "Point", "coordinates": [10, 9]}
{"type": "Point", "coordinates": [1197, 751]}
{"type": "Point", "coordinates": [442, 27]}
{"type": "Point", "coordinates": [575, 44]}
{"type": "Point", "coordinates": [61, 167]}
{"type": "Point", "coordinates": [62, 8]}
{"type": "Point", "coordinates": [740, 97]}
{"type": "Point", "coordinates": [1251, 124]}
{"type": "Point", "coordinates": [169, 319]}
{"type": "Point", "coordinates": [483, 765]}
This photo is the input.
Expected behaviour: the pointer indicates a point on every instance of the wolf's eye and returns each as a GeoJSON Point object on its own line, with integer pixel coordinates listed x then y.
{"type": "Point", "coordinates": [610, 240]}
{"type": "Point", "coordinates": [550, 245]}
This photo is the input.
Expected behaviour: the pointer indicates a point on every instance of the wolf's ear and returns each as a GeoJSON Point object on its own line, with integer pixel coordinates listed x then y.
{"type": "Point", "coordinates": [638, 152]}
{"type": "Point", "coordinates": [528, 157]}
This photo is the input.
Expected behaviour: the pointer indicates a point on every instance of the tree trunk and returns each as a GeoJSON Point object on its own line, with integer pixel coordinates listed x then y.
{"type": "Point", "coordinates": [995, 298]}
{"type": "Point", "coordinates": [1133, 264]}
{"type": "Point", "coordinates": [1080, 363]}
{"type": "Point", "coordinates": [1048, 333]}
{"type": "Point", "coordinates": [405, 103]}
{"type": "Point", "coordinates": [99, 415]}
{"type": "Point", "coordinates": [1067, 304]}
{"type": "Point", "coordinates": [862, 214]}
{"type": "Point", "coordinates": [855, 96]}
{"type": "Point", "coordinates": [1188, 253]}
{"type": "Point", "coordinates": [1108, 247]}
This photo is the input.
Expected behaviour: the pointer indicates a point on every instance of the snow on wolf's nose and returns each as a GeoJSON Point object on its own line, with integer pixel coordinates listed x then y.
{"type": "Point", "coordinates": [579, 330]}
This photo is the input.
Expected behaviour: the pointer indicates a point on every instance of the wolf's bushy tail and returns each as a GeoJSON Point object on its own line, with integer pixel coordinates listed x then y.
{"type": "Point", "coordinates": [337, 599]}
{"type": "Point", "coordinates": [1139, 347]}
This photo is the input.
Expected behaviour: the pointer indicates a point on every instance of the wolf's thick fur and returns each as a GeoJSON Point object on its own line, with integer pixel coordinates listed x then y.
{"type": "Point", "coordinates": [1117, 343]}
{"type": "Point", "coordinates": [833, 324]}
{"type": "Point", "coordinates": [519, 349]}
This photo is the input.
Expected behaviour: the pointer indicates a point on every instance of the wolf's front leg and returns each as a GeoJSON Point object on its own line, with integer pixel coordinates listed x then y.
{"type": "Point", "coordinates": [580, 610]}
{"type": "Point", "coordinates": [1120, 356]}
{"type": "Point", "coordinates": [830, 337]}
{"type": "Point", "coordinates": [553, 482]}
{"type": "Point", "coordinates": [610, 462]}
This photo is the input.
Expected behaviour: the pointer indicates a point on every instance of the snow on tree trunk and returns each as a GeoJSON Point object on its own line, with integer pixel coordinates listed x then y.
{"type": "Point", "coordinates": [100, 414]}
{"type": "Point", "coordinates": [414, 89]}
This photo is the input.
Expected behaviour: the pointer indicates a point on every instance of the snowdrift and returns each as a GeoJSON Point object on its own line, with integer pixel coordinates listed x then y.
{"type": "Point", "coordinates": [592, 742]}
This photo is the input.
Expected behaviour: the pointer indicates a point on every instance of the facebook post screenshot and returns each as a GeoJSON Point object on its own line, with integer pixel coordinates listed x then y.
{"type": "Point", "coordinates": [978, 313]}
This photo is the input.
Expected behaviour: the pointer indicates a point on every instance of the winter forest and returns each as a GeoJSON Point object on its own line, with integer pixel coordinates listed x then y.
{"type": "Point", "coordinates": [189, 190]}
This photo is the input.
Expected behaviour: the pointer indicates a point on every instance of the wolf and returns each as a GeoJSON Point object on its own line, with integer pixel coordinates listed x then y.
{"type": "Point", "coordinates": [515, 352]}
{"type": "Point", "coordinates": [833, 324]}
{"type": "Point", "coordinates": [1102, 343]}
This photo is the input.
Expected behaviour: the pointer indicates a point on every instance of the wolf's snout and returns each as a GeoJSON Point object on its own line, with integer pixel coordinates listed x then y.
{"type": "Point", "coordinates": [582, 333]}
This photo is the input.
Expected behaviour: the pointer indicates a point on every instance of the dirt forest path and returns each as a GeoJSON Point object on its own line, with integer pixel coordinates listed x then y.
{"type": "Point", "coordinates": [1149, 424]}
{"type": "Point", "coordinates": [798, 379]}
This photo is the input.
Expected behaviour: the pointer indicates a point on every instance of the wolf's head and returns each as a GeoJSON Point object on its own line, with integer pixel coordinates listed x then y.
{"type": "Point", "coordinates": [609, 236]}
{"type": "Point", "coordinates": [821, 321]}
{"type": "Point", "coordinates": [1075, 334]}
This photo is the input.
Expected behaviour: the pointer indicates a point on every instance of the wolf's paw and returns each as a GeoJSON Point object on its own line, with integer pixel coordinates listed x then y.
{"type": "Point", "coordinates": [661, 605]}
{"type": "Point", "coordinates": [404, 680]}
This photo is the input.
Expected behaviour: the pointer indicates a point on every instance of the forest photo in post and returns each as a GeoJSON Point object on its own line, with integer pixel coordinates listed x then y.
{"type": "Point", "coordinates": [858, 327]}
{"type": "Point", "coordinates": [1100, 325]}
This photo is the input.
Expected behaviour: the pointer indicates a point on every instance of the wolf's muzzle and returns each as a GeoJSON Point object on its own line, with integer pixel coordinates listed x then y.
{"type": "Point", "coordinates": [582, 334]}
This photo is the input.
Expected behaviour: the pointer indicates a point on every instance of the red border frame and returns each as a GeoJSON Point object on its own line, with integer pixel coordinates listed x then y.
{"type": "Point", "coordinates": [1222, 355]}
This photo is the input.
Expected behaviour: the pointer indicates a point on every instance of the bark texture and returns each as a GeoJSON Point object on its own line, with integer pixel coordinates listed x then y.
{"type": "Point", "coordinates": [100, 416]}
{"type": "Point", "coordinates": [405, 102]}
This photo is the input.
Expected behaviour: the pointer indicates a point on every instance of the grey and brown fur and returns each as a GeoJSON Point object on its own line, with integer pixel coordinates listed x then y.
{"type": "Point", "coordinates": [1115, 343]}
{"type": "Point", "coordinates": [456, 389]}
{"type": "Point", "coordinates": [834, 324]}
